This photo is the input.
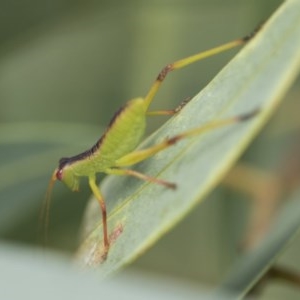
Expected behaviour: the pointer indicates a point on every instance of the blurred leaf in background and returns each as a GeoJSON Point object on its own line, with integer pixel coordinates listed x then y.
{"type": "Point", "coordinates": [66, 66]}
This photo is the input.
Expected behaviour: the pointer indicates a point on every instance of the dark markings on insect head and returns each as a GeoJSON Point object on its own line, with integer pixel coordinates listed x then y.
{"type": "Point", "coordinates": [69, 160]}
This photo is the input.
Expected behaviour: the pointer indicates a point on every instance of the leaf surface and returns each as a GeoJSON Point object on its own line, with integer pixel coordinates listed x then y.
{"type": "Point", "coordinates": [140, 213]}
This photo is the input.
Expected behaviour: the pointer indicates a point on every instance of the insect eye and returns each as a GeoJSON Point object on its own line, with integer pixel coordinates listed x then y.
{"type": "Point", "coordinates": [59, 174]}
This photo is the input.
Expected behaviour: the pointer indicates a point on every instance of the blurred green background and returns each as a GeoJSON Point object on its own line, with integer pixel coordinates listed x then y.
{"type": "Point", "coordinates": [67, 66]}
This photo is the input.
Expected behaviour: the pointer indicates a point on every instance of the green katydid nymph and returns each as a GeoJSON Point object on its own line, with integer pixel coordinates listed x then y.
{"type": "Point", "coordinates": [116, 149]}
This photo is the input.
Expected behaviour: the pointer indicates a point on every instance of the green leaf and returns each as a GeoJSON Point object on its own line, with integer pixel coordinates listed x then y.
{"type": "Point", "coordinates": [37, 277]}
{"type": "Point", "coordinates": [25, 133]}
{"type": "Point", "coordinates": [140, 213]}
{"type": "Point", "coordinates": [250, 267]}
{"type": "Point", "coordinates": [29, 150]}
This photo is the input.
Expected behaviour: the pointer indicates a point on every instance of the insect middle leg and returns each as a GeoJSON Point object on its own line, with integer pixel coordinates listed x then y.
{"type": "Point", "coordinates": [117, 171]}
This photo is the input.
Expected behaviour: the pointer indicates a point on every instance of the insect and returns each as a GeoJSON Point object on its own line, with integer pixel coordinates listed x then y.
{"type": "Point", "coordinates": [116, 150]}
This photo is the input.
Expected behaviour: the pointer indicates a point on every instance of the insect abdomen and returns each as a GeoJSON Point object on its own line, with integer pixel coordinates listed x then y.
{"type": "Point", "coordinates": [124, 133]}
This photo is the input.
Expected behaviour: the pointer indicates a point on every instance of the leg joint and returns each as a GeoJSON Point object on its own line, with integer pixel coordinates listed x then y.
{"type": "Point", "coordinates": [173, 140]}
{"type": "Point", "coordinates": [163, 73]}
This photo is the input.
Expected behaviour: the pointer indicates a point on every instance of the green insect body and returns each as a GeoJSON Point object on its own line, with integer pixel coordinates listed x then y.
{"type": "Point", "coordinates": [115, 150]}
{"type": "Point", "coordinates": [128, 124]}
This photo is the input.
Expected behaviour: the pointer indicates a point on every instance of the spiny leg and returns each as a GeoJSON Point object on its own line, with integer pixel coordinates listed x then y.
{"type": "Point", "coordinates": [191, 59]}
{"type": "Point", "coordinates": [171, 111]}
{"type": "Point", "coordinates": [97, 194]}
{"type": "Point", "coordinates": [140, 155]}
{"type": "Point", "coordinates": [117, 171]}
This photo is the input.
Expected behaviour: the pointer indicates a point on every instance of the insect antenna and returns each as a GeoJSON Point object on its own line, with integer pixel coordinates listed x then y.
{"type": "Point", "coordinates": [45, 211]}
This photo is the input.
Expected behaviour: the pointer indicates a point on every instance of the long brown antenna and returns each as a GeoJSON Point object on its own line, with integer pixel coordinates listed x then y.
{"type": "Point", "coordinates": [45, 209]}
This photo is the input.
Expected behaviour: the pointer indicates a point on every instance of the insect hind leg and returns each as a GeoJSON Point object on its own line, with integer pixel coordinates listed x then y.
{"type": "Point", "coordinates": [140, 155]}
{"type": "Point", "coordinates": [190, 60]}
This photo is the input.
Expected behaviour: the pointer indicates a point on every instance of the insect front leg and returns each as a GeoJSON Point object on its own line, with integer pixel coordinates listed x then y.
{"type": "Point", "coordinates": [99, 197]}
